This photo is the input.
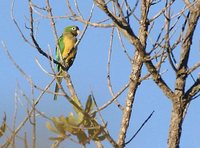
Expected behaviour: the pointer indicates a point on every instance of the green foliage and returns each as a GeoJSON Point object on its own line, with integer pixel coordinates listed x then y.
{"type": "Point", "coordinates": [3, 126]}
{"type": "Point", "coordinates": [83, 124]}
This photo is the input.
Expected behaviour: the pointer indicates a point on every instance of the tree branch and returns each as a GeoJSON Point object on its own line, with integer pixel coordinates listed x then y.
{"type": "Point", "coordinates": [34, 40]}
{"type": "Point", "coordinates": [193, 90]}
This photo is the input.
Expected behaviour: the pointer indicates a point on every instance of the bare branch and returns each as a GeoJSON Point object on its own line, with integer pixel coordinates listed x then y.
{"type": "Point", "coordinates": [108, 70]}
{"type": "Point", "coordinates": [34, 40]}
{"type": "Point", "coordinates": [162, 11]}
{"type": "Point", "coordinates": [196, 66]}
{"type": "Point", "coordinates": [193, 90]}
{"type": "Point", "coordinates": [136, 133]}
{"type": "Point", "coordinates": [94, 24]}
{"type": "Point", "coordinates": [16, 24]}
{"type": "Point", "coordinates": [134, 83]}
{"type": "Point", "coordinates": [26, 118]}
{"type": "Point", "coordinates": [123, 46]}
{"type": "Point", "coordinates": [131, 11]}
{"type": "Point", "coordinates": [185, 52]}
{"type": "Point", "coordinates": [167, 38]}
{"type": "Point", "coordinates": [113, 99]}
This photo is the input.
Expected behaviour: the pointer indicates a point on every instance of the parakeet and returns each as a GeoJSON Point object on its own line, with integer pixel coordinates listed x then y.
{"type": "Point", "coordinates": [66, 43]}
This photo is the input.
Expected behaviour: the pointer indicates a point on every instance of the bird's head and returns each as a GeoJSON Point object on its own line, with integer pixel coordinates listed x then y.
{"type": "Point", "coordinates": [74, 30]}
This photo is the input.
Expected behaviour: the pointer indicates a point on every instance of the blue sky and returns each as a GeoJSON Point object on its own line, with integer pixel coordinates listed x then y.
{"type": "Point", "coordinates": [88, 74]}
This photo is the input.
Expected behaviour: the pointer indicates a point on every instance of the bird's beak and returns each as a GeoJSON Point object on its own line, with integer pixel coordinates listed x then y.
{"type": "Point", "coordinates": [78, 32]}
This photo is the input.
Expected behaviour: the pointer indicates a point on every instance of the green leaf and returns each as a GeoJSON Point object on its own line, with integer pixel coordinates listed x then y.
{"type": "Point", "coordinates": [56, 138]}
{"type": "Point", "coordinates": [79, 113]}
{"type": "Point", "coordinates": [71, 124]}
{"type": "Point", "coordinates": [3, 126]}
{"type": "Point", "coordinates": [82, 124]}
{"type": "Point", "coordinates": [59, 125]}
{"type": "Point", "coordinates": [82, 137]}
{"type": "Point", "coordinates": [49, 127]}
{"type": "Point", "coordinates": [71, 119]}
{"type": "Point", "coordinates": [89, 104]}
{"type": "Point", "coordinates": [75, 99]}
{"type": "Point", "coordinates": [100, 138]}
{"type": "Point", "coordinates": [94, 132]}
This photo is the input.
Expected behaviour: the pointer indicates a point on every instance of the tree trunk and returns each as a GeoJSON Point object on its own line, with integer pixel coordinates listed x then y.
{"type": "Point", "coordinates": [176, 124]}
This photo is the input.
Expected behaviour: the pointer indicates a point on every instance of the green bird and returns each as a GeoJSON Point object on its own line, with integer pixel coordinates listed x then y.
{"type": "Point", "coordinates": [66, 43]}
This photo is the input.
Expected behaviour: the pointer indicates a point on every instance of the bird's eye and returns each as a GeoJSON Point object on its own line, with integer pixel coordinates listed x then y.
{"type": "Point", "coordinates": [73, 28]}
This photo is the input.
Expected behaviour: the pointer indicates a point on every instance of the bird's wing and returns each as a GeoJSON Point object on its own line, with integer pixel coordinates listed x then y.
{"type": "Point", "coordinates": [61, 46]}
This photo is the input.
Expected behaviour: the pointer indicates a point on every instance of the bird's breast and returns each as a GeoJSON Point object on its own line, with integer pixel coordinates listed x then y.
{"type": "Point", "coordinates": [68, 47]}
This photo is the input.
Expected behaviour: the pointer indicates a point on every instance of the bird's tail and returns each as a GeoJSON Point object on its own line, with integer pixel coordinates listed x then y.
{"type": "Point", "coordinates": [57, 87]}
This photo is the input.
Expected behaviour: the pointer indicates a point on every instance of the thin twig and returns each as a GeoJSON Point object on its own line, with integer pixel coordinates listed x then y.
{"type": "Point", "coordinates": [112, 99]}
{"type": "Point", "coordinates": [37, 46]}
{"type": "Point", "coordinates": [136, 133]}
{"type": "Point", "coordinates": [25, 141]}
{"type": "Point", "coordinates": [15, 115]}
{"type": "Point", "coordinates": [27, 117]}
{"type": "Point", "coordinates": [17, 25]}
{"type": "Point", "coordinates": [33, 119]}
{"type": "Point", "coordinates": [123, 46]}
{"type": "Point", "coordinates": [108, 70]}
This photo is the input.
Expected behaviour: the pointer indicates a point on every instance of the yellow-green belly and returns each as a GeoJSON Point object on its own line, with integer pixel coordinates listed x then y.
{"type": "Point", "coordinates": [69, 45]}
